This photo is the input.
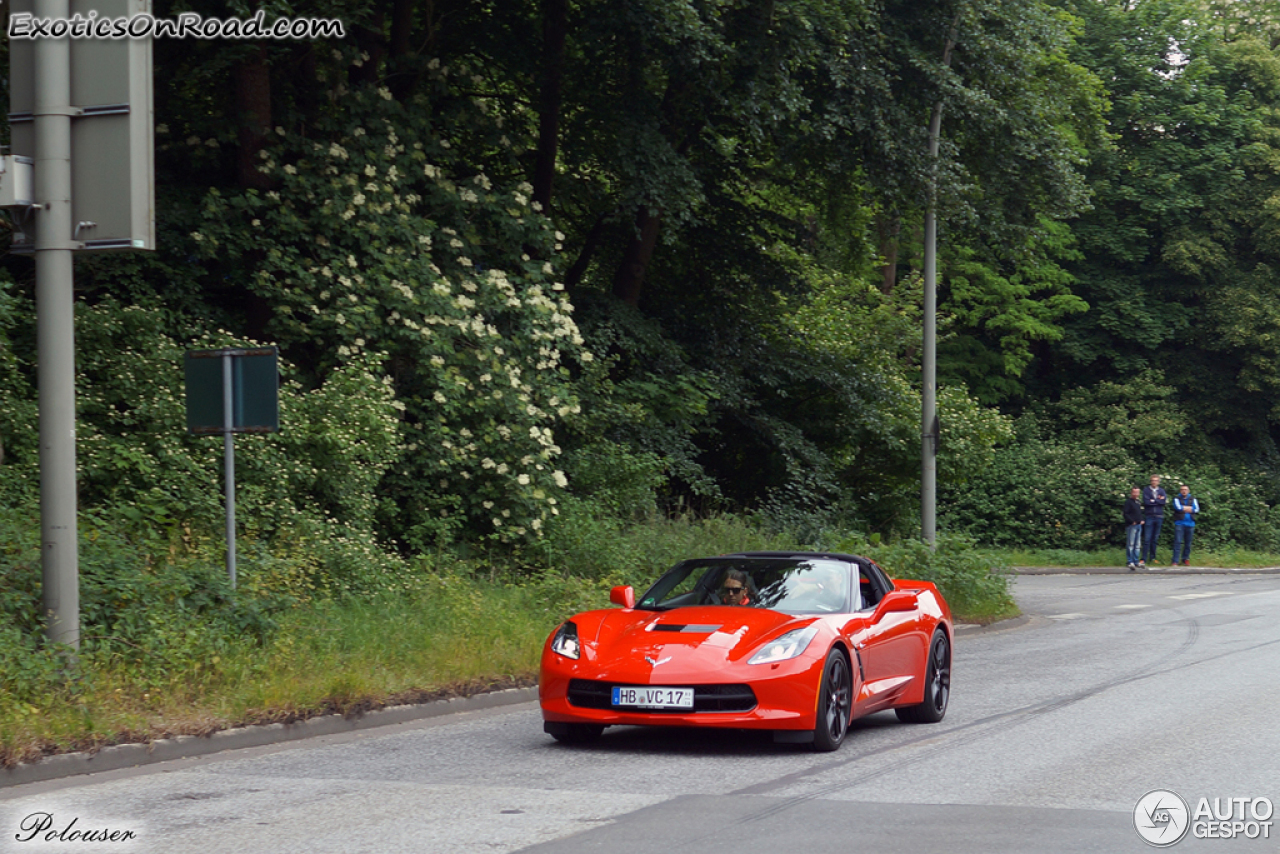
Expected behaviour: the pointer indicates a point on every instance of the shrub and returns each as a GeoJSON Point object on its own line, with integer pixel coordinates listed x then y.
{"type": "Point", "coordinates": [1068, 493]}
{"type": "Point", "coordinates": [970, 578]}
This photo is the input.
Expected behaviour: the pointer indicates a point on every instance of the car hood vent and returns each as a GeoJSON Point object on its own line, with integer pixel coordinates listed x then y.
{"type": "Point", "coordinates": [692, 628]}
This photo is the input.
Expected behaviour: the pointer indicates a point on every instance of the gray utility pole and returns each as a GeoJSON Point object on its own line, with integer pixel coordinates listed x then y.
{"type": "Point", "coordinates": [80, 120]}
{"type": "Point", "coordinates": [55, 330]}
{"type": "Point", "coordinates": [930, 428]}
{"type": "Point", "coordinates": [929, 392]}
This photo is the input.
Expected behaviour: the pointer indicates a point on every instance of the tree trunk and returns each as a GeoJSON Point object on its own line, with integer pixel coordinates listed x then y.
{"type": "Point", "coordinates": [889, 227]}
{"type": "Point", "coordinates": [635, 261]}
{"type": "Point", "coordinates": [579, 268]}
{"type": "Point", "coordinates": [253, 104]}
{"type": "Point", "coordinates": [371, 41]}
{"type": "Point", "coordinates": [402, 81]}
{"type": "Point", "coordinates": [554, 26]}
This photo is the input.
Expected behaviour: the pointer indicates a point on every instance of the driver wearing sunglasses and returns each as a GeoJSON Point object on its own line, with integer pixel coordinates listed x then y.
{"type": "Point", "coordinates": [733, 590]}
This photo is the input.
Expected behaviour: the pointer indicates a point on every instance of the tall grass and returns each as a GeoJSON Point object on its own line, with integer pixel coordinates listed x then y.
{"type": "Point", "coordinates": [169, 649]}
{"type": "Point", "coordinates": [456, 635]}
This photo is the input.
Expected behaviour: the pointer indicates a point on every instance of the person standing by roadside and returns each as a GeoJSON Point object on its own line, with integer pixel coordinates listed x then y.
{"type": "Point", "coordinates": [1133, 519]}
{"type": "Point", "coordinates": [1185, 508]}
{"type": "Point", "coordinates": [1153, 500]}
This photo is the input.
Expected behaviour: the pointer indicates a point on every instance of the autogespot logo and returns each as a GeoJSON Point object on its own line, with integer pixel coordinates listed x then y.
{"type": "Point", "coordinates": [1162, 818]}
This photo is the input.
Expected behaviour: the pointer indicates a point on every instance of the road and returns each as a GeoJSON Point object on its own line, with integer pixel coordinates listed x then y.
{"type": "Point", "coordinates": [1114, 686]}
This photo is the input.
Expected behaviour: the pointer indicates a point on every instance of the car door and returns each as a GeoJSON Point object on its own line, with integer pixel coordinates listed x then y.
{"type": "Point", "coordinates": [890, 641]}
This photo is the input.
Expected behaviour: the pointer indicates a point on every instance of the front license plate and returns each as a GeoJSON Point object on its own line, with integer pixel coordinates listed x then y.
{"type": "Point", "coordinates": [653, 697]}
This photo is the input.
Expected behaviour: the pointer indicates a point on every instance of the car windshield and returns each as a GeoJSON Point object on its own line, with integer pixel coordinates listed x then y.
{"type": "Point", "coordinates": [790, 585]}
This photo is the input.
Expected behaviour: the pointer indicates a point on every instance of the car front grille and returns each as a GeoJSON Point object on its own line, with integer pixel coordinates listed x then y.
{"type": "Point", "coordinates": [591, 694]}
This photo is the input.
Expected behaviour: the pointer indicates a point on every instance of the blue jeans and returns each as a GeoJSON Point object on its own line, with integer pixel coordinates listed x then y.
{"type": "Point", "coordinates": [1132, 543]}
{"type": "Point", "coordinates": [1182, 535]}
{"type": "Point", "coordinates": [1151, 537]}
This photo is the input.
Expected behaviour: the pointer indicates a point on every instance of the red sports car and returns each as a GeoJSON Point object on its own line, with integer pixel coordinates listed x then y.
{"type": "Point", "coordinates": [795, 642]}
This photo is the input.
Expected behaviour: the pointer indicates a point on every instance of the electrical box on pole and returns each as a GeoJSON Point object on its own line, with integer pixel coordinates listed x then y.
{"type": "Point", "coordinates": [112, 136]}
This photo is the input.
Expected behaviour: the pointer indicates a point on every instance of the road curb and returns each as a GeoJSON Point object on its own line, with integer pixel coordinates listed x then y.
{"type": "Point", "coordinates": [967, 629]}
{"type": "Point", "coordinates": [187, 746]}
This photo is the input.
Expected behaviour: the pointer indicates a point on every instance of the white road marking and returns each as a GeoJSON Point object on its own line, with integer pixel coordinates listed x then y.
{"type": "Point", "coordinates": [1066, 616]}
{"type": "Point", "coordinates": [1133, 606]}
{"type": "Point", "coordinates": [1204, 595]}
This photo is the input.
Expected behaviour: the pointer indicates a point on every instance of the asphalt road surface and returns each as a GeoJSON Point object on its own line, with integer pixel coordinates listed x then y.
{"type": "Point", "coordinates": [1114, 686]}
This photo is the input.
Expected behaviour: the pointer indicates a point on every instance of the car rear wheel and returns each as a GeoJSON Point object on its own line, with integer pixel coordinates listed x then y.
{"type": "Point", "coordinates": [835, 702]}
{"type": "Point", "coordinates": [937, 685]}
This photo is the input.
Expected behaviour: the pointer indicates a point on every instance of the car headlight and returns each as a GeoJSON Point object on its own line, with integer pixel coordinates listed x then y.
{"type": "Point", "coordinates": [790, 645]}
{"type": "Point", "coordinates": [565, 641]}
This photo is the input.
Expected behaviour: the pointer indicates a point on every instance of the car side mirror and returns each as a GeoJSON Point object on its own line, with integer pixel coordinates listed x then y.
{"type": "Point", "coordinates": [624, 596]}
{"type": "Point", "coordinates": [896, 601]}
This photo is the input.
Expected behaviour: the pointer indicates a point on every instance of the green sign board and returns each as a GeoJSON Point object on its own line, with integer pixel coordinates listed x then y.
{"type": "Point", "coordinates": [255, 390]}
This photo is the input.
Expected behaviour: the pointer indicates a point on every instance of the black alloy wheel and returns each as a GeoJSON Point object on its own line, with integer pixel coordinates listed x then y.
{"type": "Point", "coordinates": [937, 685]}
{"type": "Point", "coordinates": [835, 703]}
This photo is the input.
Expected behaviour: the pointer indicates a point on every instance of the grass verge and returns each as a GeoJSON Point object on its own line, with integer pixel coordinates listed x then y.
{"type": "Point", "coordinates": [1225, 557]}
{"type": "Point", "coordinates": [165, 670]}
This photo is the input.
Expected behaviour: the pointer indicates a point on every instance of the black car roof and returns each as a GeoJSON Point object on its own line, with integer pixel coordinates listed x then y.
{"type": "Point", "coordinates": [831, 555]}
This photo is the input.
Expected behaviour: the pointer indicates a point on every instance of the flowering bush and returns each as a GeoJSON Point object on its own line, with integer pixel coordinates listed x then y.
{"type": "Point", "coordinates": [380, 235]}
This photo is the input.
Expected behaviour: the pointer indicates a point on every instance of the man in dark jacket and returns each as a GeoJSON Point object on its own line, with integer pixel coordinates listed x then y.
{"type": "Point", "coordinates": [1153, 501]}
{"type": "Point", "coordinates": [1133, 519]}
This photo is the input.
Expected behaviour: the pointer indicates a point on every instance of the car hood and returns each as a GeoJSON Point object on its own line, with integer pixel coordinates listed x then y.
{"type": "Point", "coordinates": [683, 644]}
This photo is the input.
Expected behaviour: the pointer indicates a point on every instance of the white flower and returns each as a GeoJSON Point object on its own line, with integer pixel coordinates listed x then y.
{"type": "Point", "coordinates": [560, 479]}
{"type": "Point", "coordinates": [523, 480]}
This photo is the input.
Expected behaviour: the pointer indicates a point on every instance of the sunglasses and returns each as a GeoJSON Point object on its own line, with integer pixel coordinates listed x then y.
{"type": "Point", "coordinates": [732, 591]}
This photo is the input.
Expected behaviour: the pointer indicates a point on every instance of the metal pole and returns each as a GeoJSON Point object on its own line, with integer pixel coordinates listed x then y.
{"type": "Point", "coordinates": [55, 331]}
{"type": "Point", "coordinates": [929, 391]}
{"type": "Point", "coordinates": [229, 465]}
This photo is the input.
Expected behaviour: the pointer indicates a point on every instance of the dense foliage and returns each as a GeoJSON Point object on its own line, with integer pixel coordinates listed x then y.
{"type": "Point", "coordinates": [543, 268]}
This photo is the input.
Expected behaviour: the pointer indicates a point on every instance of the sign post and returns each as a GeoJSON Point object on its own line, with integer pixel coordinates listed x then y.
{"type": "Point", "coordinates": [80, 118]}
{"type": "Point", "coordinates": [229, 391]}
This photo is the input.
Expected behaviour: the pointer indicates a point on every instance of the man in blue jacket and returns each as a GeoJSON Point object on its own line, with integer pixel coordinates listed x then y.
{"type": "Point", "coordinates": [1185, 508]}
{"type": "Point", "coordinates": [1153, 501]}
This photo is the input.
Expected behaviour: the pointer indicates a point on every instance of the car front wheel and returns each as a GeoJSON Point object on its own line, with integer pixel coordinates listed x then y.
{"type": "Point", "coordinates": [835, 702]}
